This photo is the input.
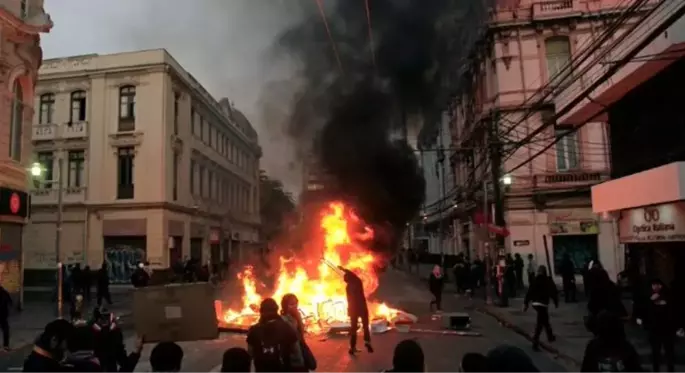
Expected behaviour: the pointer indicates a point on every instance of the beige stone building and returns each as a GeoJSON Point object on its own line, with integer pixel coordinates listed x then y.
{"type": "Point", "coordinates": [21, 23]}
{"type": "Point", "coordinates": [152, 167]}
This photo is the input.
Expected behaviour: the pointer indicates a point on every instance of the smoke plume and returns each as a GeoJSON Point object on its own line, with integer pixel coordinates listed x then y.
{"type": "Point", "coordinates": [356, 101]}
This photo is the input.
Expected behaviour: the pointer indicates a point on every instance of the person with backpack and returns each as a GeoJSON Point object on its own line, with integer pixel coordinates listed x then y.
{"type": "Point", "coordinates": [609, 350]}
{"type": "Point", "coordinates": [270, 342]}
{"type": "Point", "coordinates": [357, 309]}
{"type": "Point", "coordinates": [109, 343]}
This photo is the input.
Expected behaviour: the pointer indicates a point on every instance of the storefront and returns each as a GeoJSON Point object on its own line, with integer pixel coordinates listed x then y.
{"type": "Point", "coordinates": [14, 210]}
{"type": "Point", "coordinates": [650, 209]}
{"type": "Point", "coordinates": [574, 232]}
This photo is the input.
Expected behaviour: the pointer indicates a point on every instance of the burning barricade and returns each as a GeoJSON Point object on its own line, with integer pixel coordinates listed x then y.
{"type": "Point", "coordinates": [318, 284]}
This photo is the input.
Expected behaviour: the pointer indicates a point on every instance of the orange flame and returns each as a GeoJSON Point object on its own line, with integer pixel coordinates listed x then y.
{"type": "Point", "coordinates": [322, 294]}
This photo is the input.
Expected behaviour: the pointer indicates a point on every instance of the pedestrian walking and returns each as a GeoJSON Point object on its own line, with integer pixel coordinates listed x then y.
{"type": "Point", "coordinates": [661, 326]}
{"type": "Point", "coordinates": [540, 293]}
{"type": "Point", "coordinates": [436, 283]}
{"type": "Point", "coordinates": [5, 305]}
{"type": "Point", "coordinates": [518, 270]}
{"type": "Point", "coordinates": [568, 278]}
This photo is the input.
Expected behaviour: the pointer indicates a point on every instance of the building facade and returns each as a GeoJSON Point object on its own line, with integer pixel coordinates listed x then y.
{"type": "Point", "coordinates": [148, 166]}
{"type": "Point", "coordinates": [646, 194]}
{"type": "Point", "coordinates": [513, 90]}
{"type": "Point", "coordinates": [21, 23]}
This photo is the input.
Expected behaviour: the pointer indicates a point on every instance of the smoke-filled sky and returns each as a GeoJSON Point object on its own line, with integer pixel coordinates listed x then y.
{"type": "Point", "coordinates": [223, 43]}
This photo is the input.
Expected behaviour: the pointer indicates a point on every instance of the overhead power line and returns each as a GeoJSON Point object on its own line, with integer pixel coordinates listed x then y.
{"type": "Point", "coordinates": [322, 12]}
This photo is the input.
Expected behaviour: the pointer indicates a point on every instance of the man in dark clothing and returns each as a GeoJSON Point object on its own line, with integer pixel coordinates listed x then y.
{"type": "Point", "coordinates": [5, 305]}
{"type": "Point", "coordinates": [357, 309]}
{"type": "Point", "coordinates": [80, 354]}
{"type": "Point", "coordinates": [518, 269]}
{"type": "Point", "coordinates": [567, 270]}
{"type": "Point", "coordinates": [166, 357]}
{"type": "Point", "coordinates": [604, 296]}
{"type": "Point", "coordinates": [102, 291]}
{"type": "Point", "coordinates": [271, 340]}
{"type": "Point", "coordinates": [109, 344]}
{"type": "Point", "coordinates": [77, 279]}
{"type": "Point", "coordinates": [140, 277]}
{"type": "Point", "coordinates": [661, 326]}
{"type": "Point", "coordinates": [49, 348]}
{"type": "Point", "coordinates": [609, 350]}
{"type": "Point", "coordinates": [87, 283]}
{"type": "Point", "coordinates": [539, 295]}
{"type": "Point", "coordinates": [510, 276]}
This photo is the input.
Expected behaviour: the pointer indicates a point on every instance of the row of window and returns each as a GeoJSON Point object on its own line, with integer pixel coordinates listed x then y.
{"type": "Point", "coordinates": [209, 183]}
{"type": "Point", "coordinates": [215, 138]}
{"type": "Point", "coordinates": [78, 105]}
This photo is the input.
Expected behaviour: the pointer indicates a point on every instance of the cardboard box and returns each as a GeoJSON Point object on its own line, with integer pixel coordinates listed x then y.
{"type": "Point", "coordinates": [175, 312]}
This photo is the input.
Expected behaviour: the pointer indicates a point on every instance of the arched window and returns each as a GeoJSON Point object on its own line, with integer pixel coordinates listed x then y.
{"type": "Point", "coordinates": [16, 122]}
{"type": "Point", "coordinates": [47, 108]}
{"type": "Point", "coordinates": [78, 107]}
{"type": "Point", "coordinates": [558, 53]}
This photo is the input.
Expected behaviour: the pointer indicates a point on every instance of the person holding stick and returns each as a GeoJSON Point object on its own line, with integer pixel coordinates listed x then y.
{"type": "Point", "coordinates": [356, 308]}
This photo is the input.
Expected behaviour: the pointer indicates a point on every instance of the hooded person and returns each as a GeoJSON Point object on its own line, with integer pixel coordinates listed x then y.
{"type": "Point", "coordinates": [609, 350]}
{"type": "Point", "coordinates": [540, 293]}
{"type": "Point", "coordinates": [436, 283]}
{"type": "Point", "coordinates": [507, 358]}
{"type": "Point", "coordinates": [357, 309]}
{"type": "Point", "coordinates": [49, 348]}
{"type": "Point", "coordinates": [661, 325]}
{"type": "Point", "coordinates": [604, 296]}
{"type": "Point", "coordinates": [270, 342]}
{"type": "Point", "coordinates": [408, 357]}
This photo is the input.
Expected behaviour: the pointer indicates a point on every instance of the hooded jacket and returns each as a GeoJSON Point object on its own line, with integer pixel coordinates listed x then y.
{"type": "Point", "coordinates": [541, 291]}
{"type": "Point", "coordinates": [356, 299]}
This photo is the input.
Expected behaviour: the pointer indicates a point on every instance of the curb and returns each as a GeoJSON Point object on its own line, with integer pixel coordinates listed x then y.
{"type": "Point", "coordinates": [527, 335]}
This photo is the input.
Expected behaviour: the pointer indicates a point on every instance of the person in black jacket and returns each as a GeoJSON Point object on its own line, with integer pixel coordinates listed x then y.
{"type": "Point", "coordinates": [102, 290]}
{"type": "Point", "coordinates": [5, 305]}
{"type": "Point", "coordinates": [436, 282]}
{"type": "Point", "coordinates": [539, 295]}
{"type": "Point", "coordinates": [661, 326]}
{"type": "Point", "coordinates": [109, 344]}
{"type": "Point", "coordinates": [357, 309]}
{"type": "Point", "coordinates": [80, 354]}
{"type": "Point", "coordinates": [567, 270]}
{"type": "Point", "coordinates": [609, 350]}
{"type": "Point", "coordinates": [49, 347]}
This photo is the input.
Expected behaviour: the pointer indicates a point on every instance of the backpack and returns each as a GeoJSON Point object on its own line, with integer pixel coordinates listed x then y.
{"type": "Point", "coordinates": [268, 352]}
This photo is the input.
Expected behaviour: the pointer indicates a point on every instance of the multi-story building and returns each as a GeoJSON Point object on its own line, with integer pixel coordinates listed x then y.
{"type": "Point", "coordinates": [146, 164]}
{"type": "Point", "coordinates": [21, 23]}
{"type": "Point", "coordinates": [511, 83]}
{"type": "Point", "coordinates": [639, 97]}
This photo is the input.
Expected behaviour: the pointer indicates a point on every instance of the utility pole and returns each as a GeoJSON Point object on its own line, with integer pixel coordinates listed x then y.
{"type": "Point", "coordinates": [496, 169]}
{"type": "Point", "coordinates": [58, 234]}
{"type": "Point", "coordinates": [486, 252]}
{"type": "Point", "coordinates": [441, 174]}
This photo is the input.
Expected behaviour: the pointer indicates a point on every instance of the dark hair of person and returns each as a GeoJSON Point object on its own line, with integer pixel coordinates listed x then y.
{"type": "Point", "coordinates": [285, 310]}
{"type": "Point", "coordinates": [236, 359]}
{"type": "Point", "coordinates": [474, 362]}
{"type": "Point", "coordinates": [268, 309]}
{"type": "Point", "coordinates": [166, 357]}
{"type": "Point", "coordinates": [408, 357]}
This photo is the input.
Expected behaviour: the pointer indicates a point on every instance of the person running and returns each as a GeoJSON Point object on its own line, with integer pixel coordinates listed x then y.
{"type": "Point", "coordinates": [539, 295]}
{"type": "Point", "coordinates": [436, 283]}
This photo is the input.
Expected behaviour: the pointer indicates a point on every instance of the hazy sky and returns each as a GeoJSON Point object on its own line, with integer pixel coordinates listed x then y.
{"type": "Point", "coordinates": [223, 43]}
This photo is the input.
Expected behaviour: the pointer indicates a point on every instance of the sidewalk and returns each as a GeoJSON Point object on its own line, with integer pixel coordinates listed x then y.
{"type": "Point", "coordinates": [572, 336]}
{"type": "Point", "coordinates": [27, 324]}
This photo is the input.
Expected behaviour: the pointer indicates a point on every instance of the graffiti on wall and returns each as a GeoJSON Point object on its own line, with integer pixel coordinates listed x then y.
{"type": "Point", "coordinates": [122, 261]}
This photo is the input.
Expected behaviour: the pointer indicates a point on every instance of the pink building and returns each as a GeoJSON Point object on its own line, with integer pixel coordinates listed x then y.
{"type": "Point", "coordinates": [512, 83]}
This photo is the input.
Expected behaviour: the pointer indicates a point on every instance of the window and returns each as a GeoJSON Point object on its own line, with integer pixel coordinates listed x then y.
{"type": "Point", "coordinates": [193, 177]}
{"type": "Point", "coordinates": [77, 159]}
{"type": "Point", "coordinates": [558, 53]}
{"type": "Point", "coordinates": [126, 157]}
{"type": "Point", "coordinates": [210, 184]}
{"type": "Point", "coordinates": [78, 107]}
{"type": "Point", "coordinates": [174, 184]}
{"type": "Point", "coordinates": [47, 108]}
{"type": "Point", "coordinates": [201, 190]}
{"type": "Point", "coordinates": [177, 97]}
{"type": "Point", "coordinates": [192, 121]}
{"type": "Point", "coordinates": [210, 133]}
{"type": "Point", "coordinates": [17, 121]}
{"type": "Point", "coordinates": [127, 108]}
{"type": "Point", "coordinates": [202, 129]}
{"type": "Point", "coordinates": [47, 163]}
{"type": "Point", "coordinates": [567, 150]}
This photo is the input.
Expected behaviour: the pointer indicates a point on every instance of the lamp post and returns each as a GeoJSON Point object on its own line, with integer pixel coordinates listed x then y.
{"type": "Point", "coordinates": [486, 247]}
{"type": "Point", "coordinates": [36, 171]}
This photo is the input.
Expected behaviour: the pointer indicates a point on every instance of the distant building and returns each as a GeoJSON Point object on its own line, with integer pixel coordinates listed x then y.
{"type": "Point", "coordinates": [153, 168]}
{"type": "Point", "coordinates": [21, 23]}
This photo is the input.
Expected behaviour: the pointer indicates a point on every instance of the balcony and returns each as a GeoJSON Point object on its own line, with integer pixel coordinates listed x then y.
{"type": "Point", "coordinates": [72, 195]}
{"type": "Point", "coordinates": [49, 132]}
{"type": "Point", "coordinates": [558, 180]}
{"type": "Point", "coordinates": [555, 9]}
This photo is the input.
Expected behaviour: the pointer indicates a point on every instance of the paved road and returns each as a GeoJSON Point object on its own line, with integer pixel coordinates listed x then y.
{"type": "Point", "coordinates": [443, 352]}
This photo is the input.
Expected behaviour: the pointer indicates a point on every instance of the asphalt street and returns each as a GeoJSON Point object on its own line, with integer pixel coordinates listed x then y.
{"type": "Point", "coordinates": [442, 352]}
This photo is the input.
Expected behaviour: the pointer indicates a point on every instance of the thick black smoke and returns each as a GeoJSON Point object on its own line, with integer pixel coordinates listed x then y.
{"type": "Point", "coordinates": [358, 111]}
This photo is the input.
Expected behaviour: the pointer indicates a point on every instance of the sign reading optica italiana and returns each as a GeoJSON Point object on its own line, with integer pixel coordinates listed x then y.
{"type": "Point", "coordinates": [658, 223]}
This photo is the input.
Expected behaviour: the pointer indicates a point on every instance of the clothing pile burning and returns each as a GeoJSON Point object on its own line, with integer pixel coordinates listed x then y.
{"type": "Point", "coordinates": [318, 283]}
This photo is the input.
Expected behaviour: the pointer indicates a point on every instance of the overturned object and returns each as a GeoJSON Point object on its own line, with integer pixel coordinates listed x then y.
{"type": "Point", "coordinates": [456, 321]}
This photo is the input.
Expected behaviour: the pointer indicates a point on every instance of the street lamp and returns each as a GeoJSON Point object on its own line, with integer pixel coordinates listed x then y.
{"type": "Point", "coordinates": [36, 171]}
{"type": "Point", "coordinates": [506, 180]}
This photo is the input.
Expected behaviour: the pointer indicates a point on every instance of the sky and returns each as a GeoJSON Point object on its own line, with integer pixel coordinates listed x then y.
{"type": "Point", "coordinates": [225, 44]}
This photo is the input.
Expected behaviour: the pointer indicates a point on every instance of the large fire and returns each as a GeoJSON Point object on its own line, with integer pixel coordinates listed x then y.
{"type": "Point", "coordinates": [321, 290]}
